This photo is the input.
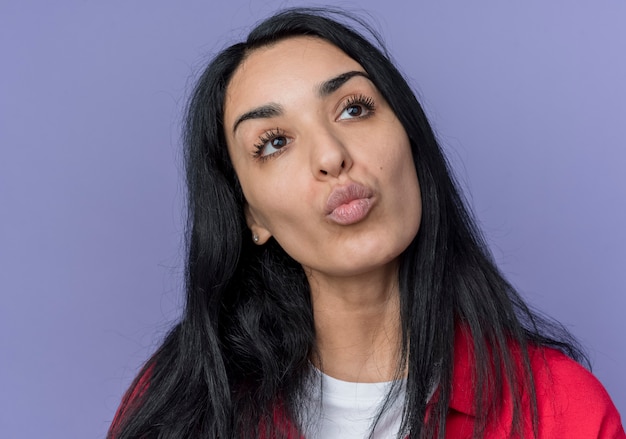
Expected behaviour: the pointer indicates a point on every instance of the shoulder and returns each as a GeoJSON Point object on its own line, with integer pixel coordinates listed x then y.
{"type": "Point", "coordinates": [571, 401]}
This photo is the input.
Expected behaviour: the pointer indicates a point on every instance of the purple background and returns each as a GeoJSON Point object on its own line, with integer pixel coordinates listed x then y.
{"type": "Point", "coordinates": [529, 100]}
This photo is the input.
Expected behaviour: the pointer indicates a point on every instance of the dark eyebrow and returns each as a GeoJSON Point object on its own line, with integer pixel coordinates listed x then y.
{"type": "Point", "coordinates": [324, 89]}
{"type": "Point", "coordinates": [328, 87]}
{"type": "Point", "coordinates": [262, 112]}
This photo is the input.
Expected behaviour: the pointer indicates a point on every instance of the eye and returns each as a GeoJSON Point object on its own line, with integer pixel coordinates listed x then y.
{"type": "Point", "coordinates": [354, 111]}
{"type": "Point", "coordinates": [357, 107]}
{"type": "Point", "coordinates": [271, 143]}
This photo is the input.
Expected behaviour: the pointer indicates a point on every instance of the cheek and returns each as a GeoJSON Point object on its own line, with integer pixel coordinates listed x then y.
{"type": "Point", "coordinates": [396, 161]}
{"type": "Point", "coordinates": [400, 169]}
{"type": "Point", "coordinates": [260, 206]}
{"type": "Point", "coordinates": [275, 204]}
{"type": "Point", "coordinates": [391, 144]}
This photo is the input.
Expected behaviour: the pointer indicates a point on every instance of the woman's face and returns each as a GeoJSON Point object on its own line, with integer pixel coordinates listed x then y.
{"type": "Point", "coordinates": [324, 163]}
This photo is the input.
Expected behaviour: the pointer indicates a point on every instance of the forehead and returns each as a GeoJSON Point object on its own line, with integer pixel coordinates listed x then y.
{"type": "Point", "coordinates": [296, 64]}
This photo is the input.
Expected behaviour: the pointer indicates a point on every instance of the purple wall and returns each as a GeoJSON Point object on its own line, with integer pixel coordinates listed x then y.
{"type": "Point", "coordinates": [528, 99]}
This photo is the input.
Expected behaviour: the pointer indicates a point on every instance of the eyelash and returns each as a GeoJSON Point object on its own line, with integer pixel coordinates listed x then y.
{"type": "Point", "coordinates": [268, 136]}
{"type": "Point", "coordinates": [363, 100]}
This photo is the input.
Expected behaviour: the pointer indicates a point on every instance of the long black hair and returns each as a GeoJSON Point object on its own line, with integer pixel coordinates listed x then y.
{"type": "Point", "coordinates": [236, 365]}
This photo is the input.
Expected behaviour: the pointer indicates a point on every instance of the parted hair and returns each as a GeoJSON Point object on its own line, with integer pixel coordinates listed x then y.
{"type": "Point", "coordinates": [237, 363]}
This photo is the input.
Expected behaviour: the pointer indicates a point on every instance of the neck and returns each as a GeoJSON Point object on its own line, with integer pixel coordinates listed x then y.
{"type": "Point", "coordinates": [357, 323]}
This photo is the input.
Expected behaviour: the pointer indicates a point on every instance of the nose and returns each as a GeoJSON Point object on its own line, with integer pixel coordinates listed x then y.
{"type": "Point", "coordinates": [329, 156]}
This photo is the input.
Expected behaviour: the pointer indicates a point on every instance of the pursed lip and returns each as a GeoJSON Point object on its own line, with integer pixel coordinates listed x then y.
{"type": "Point", "coordinates": [348, 204]}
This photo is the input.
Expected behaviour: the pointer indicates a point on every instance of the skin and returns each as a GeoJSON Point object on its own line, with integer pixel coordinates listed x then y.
{"type": "Point", "coordinates": [330, 134]}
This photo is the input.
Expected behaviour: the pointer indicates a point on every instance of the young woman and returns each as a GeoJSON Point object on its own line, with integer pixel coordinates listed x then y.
{"type": "Point", "coordinates": [336, 284]}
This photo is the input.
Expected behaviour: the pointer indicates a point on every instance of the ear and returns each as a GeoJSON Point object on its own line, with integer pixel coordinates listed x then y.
{"type": "Point", "coordinates": [257, 228]}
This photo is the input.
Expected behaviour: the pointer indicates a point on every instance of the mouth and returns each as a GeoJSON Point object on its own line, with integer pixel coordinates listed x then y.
{"type": "Point", "coordinates": [349, 204]}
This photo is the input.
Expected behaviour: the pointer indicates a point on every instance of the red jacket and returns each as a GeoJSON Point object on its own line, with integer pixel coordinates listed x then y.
{"type": "Point", "coordinates": [571, 402]}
